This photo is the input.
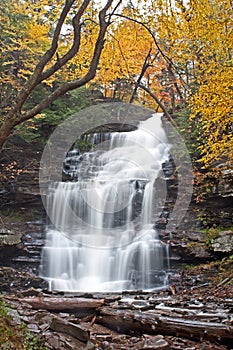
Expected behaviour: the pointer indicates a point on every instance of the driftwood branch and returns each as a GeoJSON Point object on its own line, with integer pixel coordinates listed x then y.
{"type": "Point", "coordinates": [153, 316]}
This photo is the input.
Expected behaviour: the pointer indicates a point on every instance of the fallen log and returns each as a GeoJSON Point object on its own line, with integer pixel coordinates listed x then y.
{"type": "Point", "coordinates": [134, 322]}
{"type": "Point", "coordinates": [62, 326]}
{"type": "Point", "coordinates": [191, 313]}
{"type": "Point", "coordinates": [61, 304]}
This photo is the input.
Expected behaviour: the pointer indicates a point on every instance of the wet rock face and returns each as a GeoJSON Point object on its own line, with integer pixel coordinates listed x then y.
{"type": "Point", "coordinates": [21, 239]}
{"type": "Point", "coordinates": [193, 248]}
{"type": "Point", "coordinates": [168, 180]}
{"type": "Point", "coordinates": [188, 253]}
{"type": "Point", "coordinates": [72, 162]}
{"type": "Point", "coordinates": [21, 243]}
{"type": "Point", "coordinates": [223, 243]}
{"type": "Point", "coordinates": [12, 281]}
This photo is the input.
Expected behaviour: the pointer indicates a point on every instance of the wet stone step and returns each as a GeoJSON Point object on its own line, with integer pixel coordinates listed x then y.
{"type": "Point", "coordinates": [33, 252]}
{"type": "Point", "coordinates": [35, 245]}
{"type": "Point", "coordinates": [27, 259]}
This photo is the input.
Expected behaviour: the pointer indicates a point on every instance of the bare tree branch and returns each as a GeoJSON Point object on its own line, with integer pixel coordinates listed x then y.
{"type": "Point", "coordinates": [75, 46]}
{"type": "Point", "coordinates": [76, 39]}
{"type": "Point", "coordinates": [161, 105]}
{"type": "Point", "coordinates": [150, 32]}
{"type": "Point", "coordinates": [144, 25]}
{"type": "Point", "coordinates": [33, 81]}
{"type": "Point", "coordinates": [146, 65]}
{"type": "Point", "coordinates": [173, 79]}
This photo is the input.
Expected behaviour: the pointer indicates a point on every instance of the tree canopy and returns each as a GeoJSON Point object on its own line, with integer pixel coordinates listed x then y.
{"type": "Point", "coordinates": [162, 54]}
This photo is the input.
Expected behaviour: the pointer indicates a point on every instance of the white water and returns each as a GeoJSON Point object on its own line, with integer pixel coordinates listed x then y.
{"type": "Point", "coordinates": [103, 237]}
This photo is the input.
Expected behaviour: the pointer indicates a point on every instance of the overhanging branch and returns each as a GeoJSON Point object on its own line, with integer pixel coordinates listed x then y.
{"type": "Point", "coordinates": [145, 65]}
{"type": "Point", "coordinates": [74, 48]}
{"type": "Point", "coordinates": [161, 105]}
{"type": "Point", "coordinates": [144, 25]}
{"type": "Point", "coordinates": [71, 85]}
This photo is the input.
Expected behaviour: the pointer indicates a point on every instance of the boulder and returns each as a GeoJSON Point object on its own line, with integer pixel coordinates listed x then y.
{"type": "Point", "coordinates": [9, 238]}
{"type": "Point", "coordinates": [10, 244]}
{"type": "Point", "coordinates": [223, 243]}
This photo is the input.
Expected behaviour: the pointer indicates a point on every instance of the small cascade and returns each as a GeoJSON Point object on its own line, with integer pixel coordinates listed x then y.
{"type": "Point", "coordinates": [102, 237]}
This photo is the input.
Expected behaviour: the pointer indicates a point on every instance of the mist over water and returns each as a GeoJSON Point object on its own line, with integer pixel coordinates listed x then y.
{"type": "Point", "coordinates": [102, 237]}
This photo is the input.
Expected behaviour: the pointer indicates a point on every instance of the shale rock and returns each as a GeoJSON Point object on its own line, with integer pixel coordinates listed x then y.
{"type": "Point", "coordinates": [223, 243]}
{"type": "Point", "coordinates": [9, 238]}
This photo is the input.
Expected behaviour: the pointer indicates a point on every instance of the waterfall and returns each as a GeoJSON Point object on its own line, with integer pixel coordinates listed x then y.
{"type": "Point", "coordinates": [102, 237]}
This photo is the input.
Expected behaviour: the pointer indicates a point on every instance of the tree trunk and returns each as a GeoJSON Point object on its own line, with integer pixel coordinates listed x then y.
{"type": "Point", "coordinates": [5, 130]}
{"type": "Point", "coordinates": [62, 304]}
{"type": "Point", "coordinates": [17, 114]}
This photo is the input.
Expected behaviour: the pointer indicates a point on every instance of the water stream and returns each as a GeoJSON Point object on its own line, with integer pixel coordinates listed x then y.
{"type": "Point", "coordinates": [102, 237]}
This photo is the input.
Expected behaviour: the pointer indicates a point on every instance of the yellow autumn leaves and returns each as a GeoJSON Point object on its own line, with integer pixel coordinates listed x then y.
{"type": "Point", "coordinates": [189, 45]}
{"type": "Point", "coordinates": [197, 37]}
{"type": "Point", "coordinates": [212, 103]}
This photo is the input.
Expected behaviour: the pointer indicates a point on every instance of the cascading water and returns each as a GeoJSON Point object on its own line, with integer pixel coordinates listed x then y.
{"type": "Point", "coordinates": [103, 237]}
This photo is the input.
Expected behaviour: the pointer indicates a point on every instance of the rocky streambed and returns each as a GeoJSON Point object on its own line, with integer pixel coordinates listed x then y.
{"type": "Point", "coordinates": [194, 312]}
{"type": "Point", "coordinates": [197, 318]}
